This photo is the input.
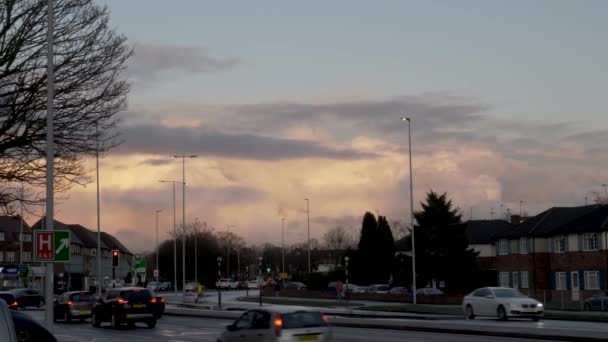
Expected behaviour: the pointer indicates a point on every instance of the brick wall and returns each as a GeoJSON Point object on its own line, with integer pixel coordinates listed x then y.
{"type": "Point", "coordinates": [578, 261]}
{"type": "Point", "coordinates": [487, 263]}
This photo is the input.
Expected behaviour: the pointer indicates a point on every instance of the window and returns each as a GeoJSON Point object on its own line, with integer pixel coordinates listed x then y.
{"type": "Point", "coordinates": [591, 242]}
{"type": "Point", "coordinates": [503, 247]}
{"type": "Point", "coordinates": [482, 293]}
{"type": "Point", "coordinates": [504, 279]}
{"type": "Point", "coordinates": [561, 281]}
{"type": "Point", "coordinates": [93, 252]}
{"type": "Point", "coordinates": [27, 256]}
{"type": "Point", "coordinates": [1, 236]}
{"type": "Point", "coordinates": [523, 245]}
{"type": "Point", "coordinates": [524, 279]}
{"type": "Point", "coordinates": [592, 280]}
{"type": "Point", "coordinates": [515, 280]}
{"type": "Point", "coordinates": [10, 256]}
{"type": "Point", "coordinates": [27, 238]}
{"type": "Point", "coordinates": [560, 244]}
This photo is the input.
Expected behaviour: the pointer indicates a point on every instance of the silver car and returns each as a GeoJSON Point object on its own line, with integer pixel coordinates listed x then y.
{"type": "Point", "coordinates": [270, 325]}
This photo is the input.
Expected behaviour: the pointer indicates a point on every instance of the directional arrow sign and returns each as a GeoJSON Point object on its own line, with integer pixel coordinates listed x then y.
{"type": "Point", "coordinates": [52, 246]}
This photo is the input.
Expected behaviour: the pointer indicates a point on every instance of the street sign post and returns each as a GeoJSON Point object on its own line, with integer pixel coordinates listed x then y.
{"type": "Point", "coordinates": [52, 246]}
{"type": "Point", "coordinates": [24, 271]}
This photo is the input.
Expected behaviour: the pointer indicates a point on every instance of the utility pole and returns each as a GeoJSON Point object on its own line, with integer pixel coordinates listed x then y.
{"type": "Point", "coordinates": [409, 135]}
{"type": "Point", "coordinates": [308, 224]}
{"type": "Point", "coordinates": [157, 265]}
{"type": "Point", "coordinates": [98, 287]}
{"type": "Point", "coordinates": [183, 157]}
{"type": "Point", "coordinates": [50, 158]}
{"type": "Point", "coordinates": [283, 244]}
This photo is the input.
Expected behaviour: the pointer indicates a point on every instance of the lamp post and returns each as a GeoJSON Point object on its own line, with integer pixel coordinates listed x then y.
{"type": "Point", "coordinates": [260, 270]}
{"type": "Point", "coordinates": [308, 224]}
{"type": "Point", "coordinates": [183, 157]}
{"type": "Point", "coordinates": [157, 266]}
{"type": "Point", "coordinates": [283, 244]}
{"type": "Point", "coordinates": [196, 250]}
{"type": "Point", "coordinates": [247, 271]}
{"type": "Point", "coordinates": [409, 135]}
{"type": "Point", "coordinates": [174, 235]}
{"type": "Point", "coordinates": [219, 277]}
{"type": "Point", "coordinates": [346, 258]}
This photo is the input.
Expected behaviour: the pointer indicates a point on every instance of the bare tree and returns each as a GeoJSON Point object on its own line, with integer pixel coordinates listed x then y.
{"type": "Point", "coordinates": [90, 90]}
{"type": "Point", "coordinates": [337, 238]}
{"type": "Point", "coordinates": [230, 240]}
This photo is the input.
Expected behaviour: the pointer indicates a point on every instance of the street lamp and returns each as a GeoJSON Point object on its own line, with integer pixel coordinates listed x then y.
{"type": "Point", "coordinates": [283, 243]}
{"type": "Point", "coordinates": [260, 270]}
{"type": "Point", "coordinates": [308, 224]}
{"type": "Point", "coordinates": [219, 277]}
{"type": "Point", "coordinates": [183, 157]}
{"type": "Point", "coordinates": [346, 258]}
{"type": "Point", "coordinates": [174, 235]}
{"type": "Point", "coordinates": [157, 267]}
{"type": "Point", "coordinates": [409, 135]}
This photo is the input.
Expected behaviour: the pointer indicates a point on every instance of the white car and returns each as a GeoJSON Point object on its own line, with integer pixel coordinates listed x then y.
{"type": "Point", "coordinates": [502, 303]}
{"type": "Point", "coordinates": [226, 284]}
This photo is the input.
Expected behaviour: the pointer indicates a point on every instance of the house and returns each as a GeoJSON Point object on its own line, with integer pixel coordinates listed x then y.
{"type": "Point", "coordinates": [81, 272]}
{"type": "Point", "coordinates": [481, 236]}
{"type": "Point", "coordinates": [10, 247]}
{"type": "Point", "coordinates": [562, 248]}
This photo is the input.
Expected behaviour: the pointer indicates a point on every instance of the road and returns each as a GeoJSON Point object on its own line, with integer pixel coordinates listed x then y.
{"type": "Point", "coordinates": [186, 329]}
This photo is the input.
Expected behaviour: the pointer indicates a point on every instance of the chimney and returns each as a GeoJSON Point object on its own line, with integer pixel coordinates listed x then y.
{"type": "Point", "coordinates": [515, 219]}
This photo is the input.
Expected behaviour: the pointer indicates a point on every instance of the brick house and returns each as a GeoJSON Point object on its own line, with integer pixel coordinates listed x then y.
{"type": "Point", "coordinates": [562, 248]}
{"type": "Point", "coordinates": [10, 228]}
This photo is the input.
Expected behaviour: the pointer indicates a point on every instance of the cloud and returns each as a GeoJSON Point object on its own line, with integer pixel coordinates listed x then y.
{"type": "Point", "coordinates": [156, 161]}
{"type": "Point", "coordinates": [151, 60]}
{"type": "Point", "coordinates": [156, 139]}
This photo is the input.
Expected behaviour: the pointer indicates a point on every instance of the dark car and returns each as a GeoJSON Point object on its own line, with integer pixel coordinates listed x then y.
{"type": "Point", "coordinates": [295, 286]}
{"type": "Point", "coordinates": [125, 305]}
{"type": "Point", "coordinates": [10, 300]}
{"type": "Point", "coordinates": [29, 330]}
{"type": "Point", "coordinates": [74, 305]}
{"type": "Point", "coordinates": [28, 298]}
{"type": "Point", "coordinates": [598, 302]}
{"type": "Point", "coordinates": [398, 291]}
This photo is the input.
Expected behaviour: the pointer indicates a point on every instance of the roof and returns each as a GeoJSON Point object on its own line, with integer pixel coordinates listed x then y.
{"type": "Point", "coordinates": [88, 237]}
{"type": "Point", "coordinates": [11, 227]}
{"type": "Point", "coordinates": [58, 225]}
{"type": "Point", "coordinates": [484, 231]}
{"type": "Point", "coordinates": [594, 221]}
{"type": "Point", "coordinates": [549, 222]}
{"type": "Point", "coordinates": [113, 243]}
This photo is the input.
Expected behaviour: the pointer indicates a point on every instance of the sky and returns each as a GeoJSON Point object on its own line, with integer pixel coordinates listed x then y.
{"type": "Point", "coordinates": [283, 101]}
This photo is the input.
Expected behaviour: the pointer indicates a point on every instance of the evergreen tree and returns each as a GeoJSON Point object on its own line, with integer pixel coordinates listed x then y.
{"type": "Point", "coordinates": [385, 250]}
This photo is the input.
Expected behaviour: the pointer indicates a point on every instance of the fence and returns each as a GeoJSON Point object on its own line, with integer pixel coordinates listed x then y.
{"type": "Point", "coordinates": [582, 300]}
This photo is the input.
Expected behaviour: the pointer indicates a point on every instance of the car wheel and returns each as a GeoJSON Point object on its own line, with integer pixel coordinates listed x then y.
{"type": "Point", "coordinates": [115, 322]}
{"type": "Point", "coordinates": [587, 307]}
{"type": "Point", "coordinates": [469, 312]}
{"type": "Point", "coordinates": [501, 313]}
{"type": "Point", "coordinates": [151, 324]}
{"type": "Point", "coordinates": [95, 320]}
{"type": "Point", "coordinates": [66, 317]}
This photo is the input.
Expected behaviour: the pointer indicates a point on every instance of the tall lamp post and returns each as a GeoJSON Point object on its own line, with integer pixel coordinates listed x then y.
{"type": "Point", "coordinates": [409, 135]}
{"type": "Point", "coordinates": [260, 270]}
{"type": "Point", "coordinates": [174, 235]}
{"type": "Point", "coordinates": [219, 277]}
{"type": "Point", "coordinates": [346, 258]}
{"type": "Point", "coordinates": [283, 244]}
{"type": "Point", "coordinates": [183, 157]}
{"type": "Point", "coordinates": [308, 225]}
{"type": "Point", "coordinates": [157, 266]}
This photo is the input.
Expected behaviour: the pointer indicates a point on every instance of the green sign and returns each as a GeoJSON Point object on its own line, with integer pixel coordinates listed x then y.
{"type": "Point", "coordinates": [52, 246]}
{"type": "Point", "coordinates": [24, 271]}
{"type": "Point", "coordinates": [139, 267]}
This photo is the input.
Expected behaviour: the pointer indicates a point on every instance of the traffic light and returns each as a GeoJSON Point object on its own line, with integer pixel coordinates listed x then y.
{"type": "Point", "coordinates": [115, 257]}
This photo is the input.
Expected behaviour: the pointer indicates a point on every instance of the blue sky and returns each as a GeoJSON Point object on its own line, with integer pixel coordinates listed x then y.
{"type": "Point", "coordinates": [538, 60]}
{"type": "Point", "coordinates": [286, 100]}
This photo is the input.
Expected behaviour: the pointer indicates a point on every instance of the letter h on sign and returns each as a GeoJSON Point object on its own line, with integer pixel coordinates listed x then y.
{"type": "Point", "coordinates": [44, 246]}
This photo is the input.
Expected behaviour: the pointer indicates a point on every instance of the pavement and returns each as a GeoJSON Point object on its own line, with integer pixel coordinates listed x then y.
{"type": "Point", "coordinates": [191, 329]}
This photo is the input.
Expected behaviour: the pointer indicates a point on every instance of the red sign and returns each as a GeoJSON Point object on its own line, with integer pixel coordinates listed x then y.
{"type": "Point", "coordinates": [45, 249]}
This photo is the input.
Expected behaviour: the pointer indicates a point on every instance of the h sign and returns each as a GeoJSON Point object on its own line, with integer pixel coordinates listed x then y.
{"type": "Point", "coordinates": [45, 250]}
{"type": "Point", "coordinates": [52, 246]}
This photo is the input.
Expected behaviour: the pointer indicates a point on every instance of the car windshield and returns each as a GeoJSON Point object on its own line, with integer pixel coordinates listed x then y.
{"type": "Point", "coordinates": [136, 295]}
{"type": "Point", "coordinates": [82, 297]}
{"type": "Point", "coordinates": [507, 293]}
{"type": "Point", "coordinates": [303, 319]}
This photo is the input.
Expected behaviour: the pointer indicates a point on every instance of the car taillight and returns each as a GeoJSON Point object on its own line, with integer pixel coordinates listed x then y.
{"type": "Point", "coordinates": [325, 319]}
{"type": "Point", "coordinates": [162, 300]}
{"type": "Point", "coordinates": [122, 301]}
{"type": "Point", "coordinates": [278, 325]}
{"type": "Point", "coordinates": [15, 304]}
{"type": "Point", "coordinates": [153, 300]}
{"type": "Point", "coordinates": [70, 303]}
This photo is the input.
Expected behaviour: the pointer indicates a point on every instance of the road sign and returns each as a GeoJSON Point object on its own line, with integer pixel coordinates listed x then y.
{"type": "Point", "coordinates": [24, 271]}
{"type": "Point", "coordinates": [155, 273]}
{"type": "Point", "coordinates": [52, 246]}
{"type": "Point", "coordinates": [139, 267]}
{"type": "Point", "coordinates": [283, 275]}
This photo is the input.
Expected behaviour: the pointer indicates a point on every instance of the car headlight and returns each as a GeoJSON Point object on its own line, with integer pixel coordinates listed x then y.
{"type": "Point", "coordinates": [540, 305]}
